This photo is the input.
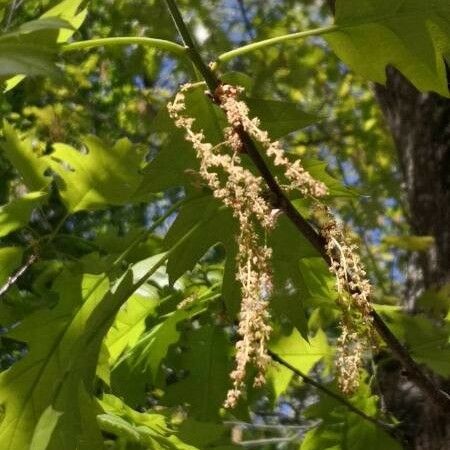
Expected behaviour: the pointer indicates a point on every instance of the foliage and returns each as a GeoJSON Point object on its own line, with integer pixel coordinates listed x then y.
{"type": "Point", "coordinates": [412, 36]}
{"type": "Point", "coordinates": [122, 335]}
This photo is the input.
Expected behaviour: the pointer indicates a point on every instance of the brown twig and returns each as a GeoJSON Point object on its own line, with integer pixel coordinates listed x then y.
{"type": "Point", "coordinates": [13, 279]}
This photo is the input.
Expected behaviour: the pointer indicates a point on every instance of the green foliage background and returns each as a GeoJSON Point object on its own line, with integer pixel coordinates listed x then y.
{"type": "Point", "coordinates": [98, 182]}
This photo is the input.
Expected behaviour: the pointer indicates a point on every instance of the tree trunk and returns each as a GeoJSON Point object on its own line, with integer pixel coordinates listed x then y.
{"type": "Point", "coordinates": [420, 125]}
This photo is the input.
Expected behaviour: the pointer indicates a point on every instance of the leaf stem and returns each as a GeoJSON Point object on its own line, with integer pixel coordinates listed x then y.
{"type": "Point", "coordinates": [227, 56]}
{"type": "Point", "coordinates": [159, 44]}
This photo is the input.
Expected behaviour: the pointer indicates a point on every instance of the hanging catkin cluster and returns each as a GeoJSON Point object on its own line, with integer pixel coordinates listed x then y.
{"type": "Point", "coordinates": [241, 191]}
{"type": "Point", "coordinates": [237, 113]}
{"type": "Point", "coordinates": [354, 291]}
{"type": "Point", "coordinates": [253, 311]}
{"type": "Point", "coordinates": [352, 284]}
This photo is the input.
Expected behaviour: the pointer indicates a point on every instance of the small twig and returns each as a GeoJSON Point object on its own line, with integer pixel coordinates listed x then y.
{"type": "Point", "coordinates": [386, 427]}
{"type": "Point", "coordinates": [15, 5]}
{"type": "Point", "coordinates": [13, 279]}
{"type": "Point", "coordinates": [246, 19]}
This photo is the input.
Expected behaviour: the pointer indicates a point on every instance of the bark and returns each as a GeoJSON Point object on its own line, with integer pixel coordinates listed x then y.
{"type": "Point", "coordinates": [420, 126]}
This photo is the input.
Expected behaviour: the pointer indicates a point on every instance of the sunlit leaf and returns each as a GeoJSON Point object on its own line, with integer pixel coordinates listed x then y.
{"type": "Point", "coordinates": [103, 176]}
{"type": "Point", "coordinates": [411, 243]}
{"type": "Point", "coordinates": [21, 155]}
{"type": "Point", "coordinates": [427, 343]}
{"type": "Point", "coordinates": [342, 429]}
{"type": "Point", "coordinates": [153, 430]}
{"type": "Point", "coordinates": [206, 359]}
{"type": "Point", "coordinates": [67, 10]}
{"type": "Point", "coordinates": [16, 214]}
{"type": "Point", "coordinates": [298, 352]}
{"type": "Point", "coordinates": [129, 325]}
{"type": "Point", "coordinates": [412, 35]}
{"type": "Point", "coordinates": [10, 259]}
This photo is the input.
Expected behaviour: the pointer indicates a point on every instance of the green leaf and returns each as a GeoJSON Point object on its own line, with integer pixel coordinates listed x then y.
{"type": "Point", "coordinates": [412, 35]}
{"type": "Point", "coordinates": [238, 79]}
{"type": "Point", "coordinates": [300, 353]}
{"type": "Point", "coordinates": [318, 169]}
{"type": "Point", "coordinates": [119, 427]}
{"type": "Point", "coordinates": [59, 369]}
{"type": "Point", "coordinates": [206, 360]}
{"type": "Point", "coordinates": [10, 259]}
{"type": "Point", "coordinates": [411, 243]}
{"type": "Point", "coordinates": [280, 118]}
{"type": "Point", "coordinates": [105, 175]}
{"type": "Point", "coordinates": [291, 279]}
{"type": "Point", "coordinates": [218, 226]}
{"type": "Point", "coordinates": [175, 164]}
{"type": "Point", "coordinates": [67, 10]}
{"type": "Point", "coordinates": [44, 429]}
{"type": "Point", "coordinates": [21, 155]}
{"type": "Point", "coordinates": [17, 213]}
{"type": "Point", "coordinates": [341, 429]}
{"type": "Point", "coordinates": [318, 284]}
{"type": "Point", "coordinates": [31, 49]}
{"type": "Point", "coordinates": [427, 343]}
{"type": "Point", "coordinates": [64, 20]}
{"type": "Point", "coordinates": [435, 300]}
{"type": "Point", "coordinates": [11, 83]}
{"type": "Point", "coordinates": [278, 378]}
{"type": "Point", "coordinates": [151, 429]}
{"type": "Point", "coordinates": [205, 434]}
{"type": "Point", "coordinates": [129, 325]}
{"type": "Point", "coordinates": [142, 361]}
{"type": "Point", "coordinates": [56, 369]}
{"type": "Point", "coordinates": [149, 351]}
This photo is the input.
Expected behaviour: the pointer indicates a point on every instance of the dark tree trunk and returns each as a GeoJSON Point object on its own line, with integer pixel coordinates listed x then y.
{"type": "Point", "coordinates": [420, 125]}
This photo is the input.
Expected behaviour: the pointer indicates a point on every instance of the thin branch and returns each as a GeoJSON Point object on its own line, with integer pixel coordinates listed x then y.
{"type": "Point", "coordinates": [440, 399]}
{"type": "Point", "coordinates": [13, 279]}
{"type": "Point", "coordinates": [16, 4]}
{"type": "Point", "coordinates": [378, 423]}
{"type": "Point", "coordinates": [246, 19]}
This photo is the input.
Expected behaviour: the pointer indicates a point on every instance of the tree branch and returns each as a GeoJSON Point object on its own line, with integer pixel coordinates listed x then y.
{"type": "Point", "coordinates": [246, 19]}
{"type": "Point", "coordinates": [440, 399]}
{"type": "Point", "coordinates": [378, 423]}
{"type": "Point", "coordinates": [13, 279]}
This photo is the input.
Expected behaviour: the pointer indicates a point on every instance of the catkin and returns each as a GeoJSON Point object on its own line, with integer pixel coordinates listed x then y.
{"type": "Point", "coordinates": [242, 192]}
